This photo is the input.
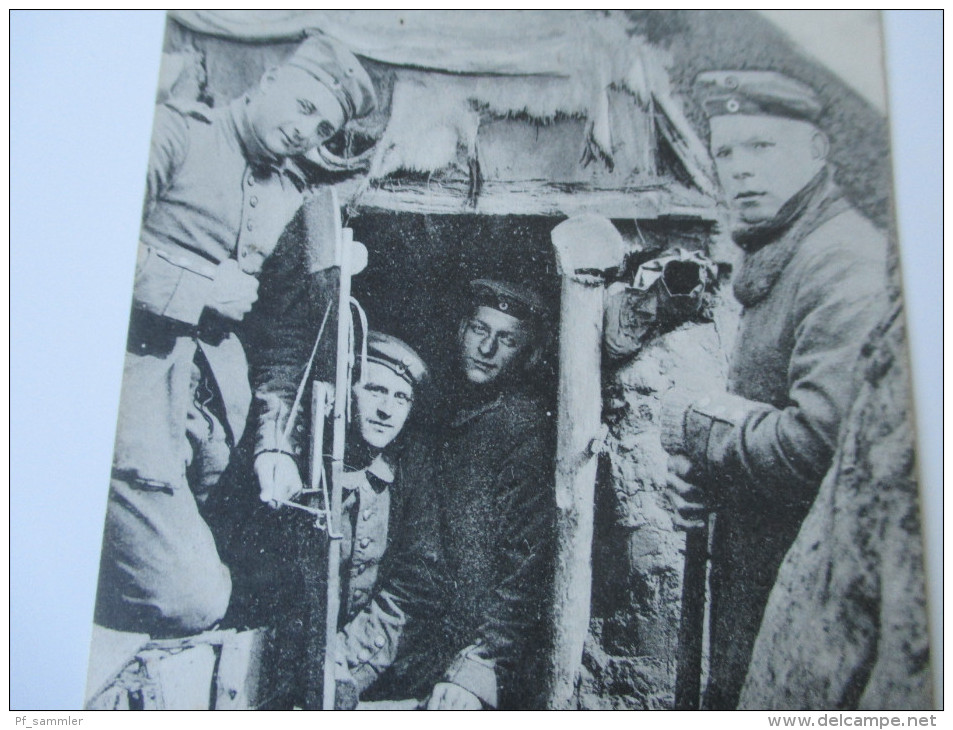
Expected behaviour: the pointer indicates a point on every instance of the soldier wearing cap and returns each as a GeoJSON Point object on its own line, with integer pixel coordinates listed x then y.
{"type": "Point", "coordinates": [489, 505]}
{"type": "Point", "coordinates": [811, 284]}
{"type": "Point", "coordinates": [376, 499]}
{"type": "Point", "coordinates": [222, 185]}
{"type": "Point", "coordinates": [383, 398]}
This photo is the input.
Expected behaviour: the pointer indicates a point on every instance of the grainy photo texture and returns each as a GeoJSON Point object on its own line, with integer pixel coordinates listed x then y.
{"type": "Point", "coordinates": [529, 359]}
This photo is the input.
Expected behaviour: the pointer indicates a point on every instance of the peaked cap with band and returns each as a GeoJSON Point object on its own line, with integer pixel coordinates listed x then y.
{"type": "Point", "coordinates": [767, 93]}
{"type": "Point", "coordinates": [517, 301]}
{"type": "Point", "coordinates": [397, 355]}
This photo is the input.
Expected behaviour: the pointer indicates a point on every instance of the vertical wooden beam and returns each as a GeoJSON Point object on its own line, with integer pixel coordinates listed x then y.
{"type": "Point", "coordinates": [691, 627]}
{"type": "Point", "coordinates": [585, 247]}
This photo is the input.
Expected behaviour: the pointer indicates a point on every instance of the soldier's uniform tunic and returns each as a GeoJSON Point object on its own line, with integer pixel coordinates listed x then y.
{"type": "Point", "coordinates": [213, 193]}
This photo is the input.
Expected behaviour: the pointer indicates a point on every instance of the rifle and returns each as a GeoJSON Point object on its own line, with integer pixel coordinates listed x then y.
{"type": "Point", "coordinates": [350, 258]}
{"type": "Point", "coordinates": [342, 387]}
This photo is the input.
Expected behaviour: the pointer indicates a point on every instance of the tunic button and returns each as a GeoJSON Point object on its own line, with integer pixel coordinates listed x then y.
{"type": "Point", "coordinates": [245, 254]}
{"type": "Point", "coordinates": [363, 655]}
{"type": "Point", "coordinates": [250, 226]}
{"type": "Point", "coordinates": [366, 514]}
{"type": "Point", "coordinates": [379, 641]}
{"type": "Point", "coordinates": [253, 201]}
{"type": "Point", "coordinates": [251, 179]}
{"type": "Point", "coordinates": [359, 570]}
{"type": "Point", "coordinates": [365, 541]}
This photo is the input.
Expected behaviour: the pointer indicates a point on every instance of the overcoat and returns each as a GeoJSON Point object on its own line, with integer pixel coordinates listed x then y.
{"type": "Point", "coordinates": [809, 299]}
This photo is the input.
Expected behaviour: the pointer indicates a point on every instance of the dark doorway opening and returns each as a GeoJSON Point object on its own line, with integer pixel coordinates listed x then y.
{"type": "Point", "coordinates": [419, 267]}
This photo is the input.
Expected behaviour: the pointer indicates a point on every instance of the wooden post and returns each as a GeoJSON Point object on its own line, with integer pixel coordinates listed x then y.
{"type": "Point", "coordinates": [691, 629]}
{"type": "Point", "coordinates": [585, 247]}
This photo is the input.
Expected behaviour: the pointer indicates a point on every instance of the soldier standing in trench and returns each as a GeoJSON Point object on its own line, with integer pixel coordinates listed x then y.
{"type": "Point", "coordinates": [811, 283]}
{"type": "Point", "coordinates": [222, 185]}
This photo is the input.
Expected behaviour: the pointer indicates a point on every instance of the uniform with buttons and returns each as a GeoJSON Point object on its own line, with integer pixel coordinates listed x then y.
{"type": "Point", "coordinates": [366, 507]}
{"type": "Point", "coordinates": [214, 194]}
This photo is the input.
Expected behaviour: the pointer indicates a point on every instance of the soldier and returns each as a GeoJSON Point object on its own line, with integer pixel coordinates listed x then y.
{"type": "Point", "coordinates": [222, 186]}
{"type": "Point", "coordinates": [376, 498]}
{"type": "Point", "coordinates": [489, 487]}
{"type": "Point", "coordinates": [811, 284]}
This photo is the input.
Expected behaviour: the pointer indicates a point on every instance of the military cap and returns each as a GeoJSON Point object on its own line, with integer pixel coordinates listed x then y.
{"type": "Point", "coordinates": [517, 301]}
{"type": "Point", "coordinates": [396, 354]}
{"type": "Point", "coordinates": [337, 68]}
{"type": "Point", "coordinates": [756, 92]}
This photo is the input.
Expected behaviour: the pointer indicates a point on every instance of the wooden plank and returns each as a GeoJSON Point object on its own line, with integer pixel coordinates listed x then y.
{"type": "Point", "coordinates": [540, 198]}
{"type": "Point", "coordinates": [240, 683]}
{"type": "Point", "coordinates": [691, 628]}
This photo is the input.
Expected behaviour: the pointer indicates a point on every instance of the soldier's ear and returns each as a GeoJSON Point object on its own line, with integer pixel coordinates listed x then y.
{"type": "Point", "coordinates": [820, 145]}
{"type": "Point", "coordinates": [462, 328]}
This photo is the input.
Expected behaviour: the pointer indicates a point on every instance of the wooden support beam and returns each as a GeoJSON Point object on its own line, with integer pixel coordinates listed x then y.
{"type": "Point", "coordinates": [661, 198]}
{"type": "Point", "coordinates": [585, 246]}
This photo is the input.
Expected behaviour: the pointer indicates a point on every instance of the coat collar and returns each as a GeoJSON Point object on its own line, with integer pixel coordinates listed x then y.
{"type": "Point", "coordinates": [379, 474]}
{"type": "Point", "coordinates": [761, 267]}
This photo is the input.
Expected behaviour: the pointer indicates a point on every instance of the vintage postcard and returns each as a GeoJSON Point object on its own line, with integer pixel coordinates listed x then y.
{"type": "Point", "coordinates": [515, 360]}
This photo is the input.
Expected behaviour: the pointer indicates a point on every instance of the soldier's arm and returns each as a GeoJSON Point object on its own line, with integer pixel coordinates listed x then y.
{"type": "Point", "coordinates": [742, 447]}
{"type": "Point", "coordinates": [280, 333]}
{"type": "Point", "coordinates": [526, 510]}
{"type": "Point", "coordinates": [171, 281]}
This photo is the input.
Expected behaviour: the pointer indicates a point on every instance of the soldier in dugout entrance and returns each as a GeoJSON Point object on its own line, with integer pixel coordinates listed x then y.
{"type": "Point", "coordinates": [484, 494]}
{"type": "Point", "coordinates": [377, 496]}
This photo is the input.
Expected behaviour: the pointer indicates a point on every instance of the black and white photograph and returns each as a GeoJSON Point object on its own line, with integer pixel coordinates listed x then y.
{"type": "Point", "coordinates": [516, 360]}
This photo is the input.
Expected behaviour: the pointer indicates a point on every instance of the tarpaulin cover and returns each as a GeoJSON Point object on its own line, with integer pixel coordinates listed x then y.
{"type": "Point", "coordinates": [537, 65]}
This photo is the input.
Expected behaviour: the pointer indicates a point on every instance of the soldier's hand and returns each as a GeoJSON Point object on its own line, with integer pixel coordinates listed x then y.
{"type": "Point", "coordinates": [233, 291]}
{"type": "Point", "coordinates": [449, 696]}
{"type": "Point", "coordinates": [689, 501]}
{"type": "Point", "coordinates": [278, 477]}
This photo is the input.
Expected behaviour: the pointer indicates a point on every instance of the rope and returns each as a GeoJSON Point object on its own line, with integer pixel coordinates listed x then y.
{"type": "Point", "coordinates": [289, 424]}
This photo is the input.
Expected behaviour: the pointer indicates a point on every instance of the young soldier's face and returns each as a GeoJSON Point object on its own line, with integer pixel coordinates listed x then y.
{"type": "Point", "coordinates": [383, 404]}
{"type": "Point", "coordinates": [763, 161]}
{"type": "Point", "coordinates": [293, 112]}
{"type": "Point", "coordinates": [492, 343]}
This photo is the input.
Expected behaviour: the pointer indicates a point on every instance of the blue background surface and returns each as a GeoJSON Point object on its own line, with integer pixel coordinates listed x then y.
{"type": "Point", "coordinates": [82, 86]}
